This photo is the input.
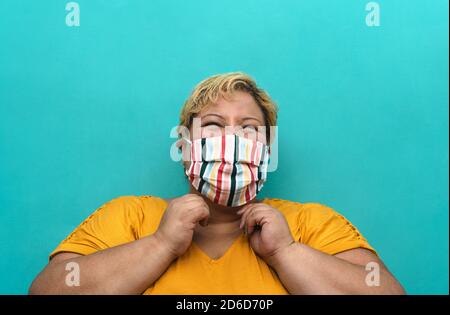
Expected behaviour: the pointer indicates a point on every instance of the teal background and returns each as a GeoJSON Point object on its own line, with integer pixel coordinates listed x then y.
{"type": "Point", "coordinates": [85, 115]}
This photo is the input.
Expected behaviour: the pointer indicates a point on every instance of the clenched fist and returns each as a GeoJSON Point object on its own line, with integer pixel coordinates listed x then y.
{"type": "Point", "coordinates": [177, 225]}
{"type": "Point", "coordinates": [268, 230]}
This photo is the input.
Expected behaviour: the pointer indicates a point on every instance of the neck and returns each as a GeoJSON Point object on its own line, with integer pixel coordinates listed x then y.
{"type": "Point", "coordinates": [222, 219]}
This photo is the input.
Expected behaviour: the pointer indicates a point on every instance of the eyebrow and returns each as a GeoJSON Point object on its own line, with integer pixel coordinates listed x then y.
{"type": "Point", "coordinates": [252, 118]}
{"type": "Point", "coordinates": [213, 115]}
{"type": "Point", "coordinates": [243, 119]}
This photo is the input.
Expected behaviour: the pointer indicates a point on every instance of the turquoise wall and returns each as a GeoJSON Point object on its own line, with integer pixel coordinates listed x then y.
{"type": "Point", "coordinates": [85, 115]}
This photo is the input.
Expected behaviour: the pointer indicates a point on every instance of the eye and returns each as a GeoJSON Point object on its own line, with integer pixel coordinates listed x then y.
{"type": "Point", "coordinates": [212, 124]}
{"type": "Point", "coordinates": [249, 127]}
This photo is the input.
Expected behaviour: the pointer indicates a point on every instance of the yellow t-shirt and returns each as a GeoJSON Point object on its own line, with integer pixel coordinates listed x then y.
{"type": "Point", "coordinates": [238, 271]}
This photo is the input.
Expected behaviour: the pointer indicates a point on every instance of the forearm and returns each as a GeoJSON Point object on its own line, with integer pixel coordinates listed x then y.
{"type": "Point", "coordinates": [126, 269]}
{"type": "Point", "coordinates": [304, 270]}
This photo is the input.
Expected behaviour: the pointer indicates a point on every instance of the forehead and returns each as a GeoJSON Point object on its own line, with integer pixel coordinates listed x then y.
{"type": "Point", "coordinates": [236, 104]}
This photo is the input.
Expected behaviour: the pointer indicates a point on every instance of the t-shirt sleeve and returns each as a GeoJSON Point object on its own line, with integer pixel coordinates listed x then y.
{"type": "Point", "coordinates": [112, 224]}
{"type": "Point", "coordinates": [328, 231]}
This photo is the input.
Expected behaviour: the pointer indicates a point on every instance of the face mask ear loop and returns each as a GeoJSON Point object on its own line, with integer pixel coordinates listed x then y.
{"type": "Point", "coordinates": [185, 150]}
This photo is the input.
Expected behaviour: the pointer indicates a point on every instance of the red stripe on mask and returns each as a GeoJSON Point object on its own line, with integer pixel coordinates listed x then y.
{"type": "Point", "coordinates": [219, 174]}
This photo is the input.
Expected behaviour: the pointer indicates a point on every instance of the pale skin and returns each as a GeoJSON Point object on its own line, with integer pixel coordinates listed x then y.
{"type": "Point", "coordinates": [133, 267]}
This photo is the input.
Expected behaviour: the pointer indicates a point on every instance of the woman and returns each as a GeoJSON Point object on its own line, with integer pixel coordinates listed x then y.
{"type": "Point", "coordinates": [218, 238]}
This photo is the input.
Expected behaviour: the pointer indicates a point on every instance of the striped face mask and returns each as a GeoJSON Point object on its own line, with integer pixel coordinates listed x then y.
{"type": "Point", "coordinates": [229, 170]}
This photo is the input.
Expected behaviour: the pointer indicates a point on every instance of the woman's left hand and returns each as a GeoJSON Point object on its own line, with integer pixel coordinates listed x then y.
{"type": "Point", "coordinates": [272, 234]}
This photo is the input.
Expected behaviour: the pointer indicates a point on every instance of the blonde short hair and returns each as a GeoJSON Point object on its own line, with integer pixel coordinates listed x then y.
{"type": "Point", "coordinates": [222, 85]}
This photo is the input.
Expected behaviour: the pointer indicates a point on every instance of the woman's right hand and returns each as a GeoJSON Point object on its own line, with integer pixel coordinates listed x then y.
{"type": "Point", "coordinates": [177, 225]}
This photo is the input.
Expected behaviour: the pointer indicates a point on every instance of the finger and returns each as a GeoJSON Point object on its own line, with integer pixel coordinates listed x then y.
{"type": "Point", "coordinates": [249, 222]}
{"type": "Point", "coordinates": [193, 203]}
{"type": "Point", "coordinates": [201, 215]}
{"type": "Point", "coordinates": [247, 207]}
{"type": "Point", "coordinates": [248, 210]}
{"type": "Point", "coordinates": [204, 220]}
{"type": "Point", "coordinates": [256, 217]}
{"type": "Point", "coordinates": [243, 209]}
{"type": "Point", "coordinates": [191, 197]}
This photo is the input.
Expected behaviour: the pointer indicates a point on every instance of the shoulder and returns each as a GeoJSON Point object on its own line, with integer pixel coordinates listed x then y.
{"type": "Point", "coordinates": [136, 202]}
{"type": "Point", "coordinates": [305, 215]}
{"type": "Point", "coordinates": [313, 210]}
{"type": "Point", "coordinates": [320, 226]}
{"type": "Point", "coordinates": [141, 213]}
{"type": "Point", "coordinates": [135, 207]}
{"type": "Point", "coordinates": [117, 221]}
